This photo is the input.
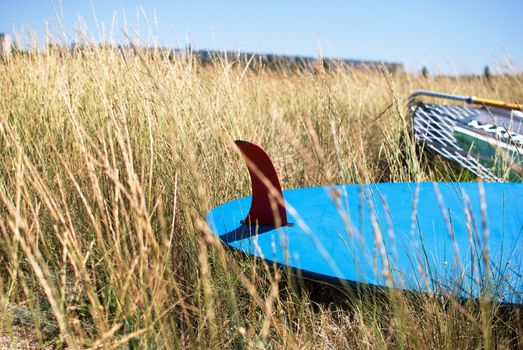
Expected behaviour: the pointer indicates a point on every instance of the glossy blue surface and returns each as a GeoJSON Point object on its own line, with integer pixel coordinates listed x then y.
{"type": "Point", "coordinates": [402, 235]}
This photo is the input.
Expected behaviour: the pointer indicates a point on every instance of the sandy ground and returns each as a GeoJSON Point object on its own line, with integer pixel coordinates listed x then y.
{"type": "Point", "coordinates": [18, 338]}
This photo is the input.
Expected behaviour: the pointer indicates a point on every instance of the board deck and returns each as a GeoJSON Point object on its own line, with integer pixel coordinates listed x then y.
{"type": "Point", "coordinates": [421, 237]}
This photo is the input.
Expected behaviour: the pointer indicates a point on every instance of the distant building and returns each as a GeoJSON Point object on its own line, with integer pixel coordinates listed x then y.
{"type": "Point", "coordinates": [289, 62]}
{"type": "Point", "coordinates": [254, 61]}
{"type": "Point", "coordinates": [5, 45]}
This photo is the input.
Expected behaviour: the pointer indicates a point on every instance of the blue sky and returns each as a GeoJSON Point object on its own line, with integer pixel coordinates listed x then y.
{"type": "Point", "coordinates": [446, 36]}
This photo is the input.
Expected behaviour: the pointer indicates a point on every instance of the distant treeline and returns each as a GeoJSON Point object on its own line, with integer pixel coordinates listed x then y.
{"type": "Point", "coordinates": [301, 63]}
{"type": "Point", "coordinates": [253, 60]}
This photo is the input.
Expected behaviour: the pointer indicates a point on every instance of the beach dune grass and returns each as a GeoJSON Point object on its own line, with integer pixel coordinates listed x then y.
{"type": "Point", "coordinates": [110, 159]}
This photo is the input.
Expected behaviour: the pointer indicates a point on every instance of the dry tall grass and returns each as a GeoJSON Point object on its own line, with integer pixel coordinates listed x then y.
{"type": "Point", "coordinates": [110, 160]}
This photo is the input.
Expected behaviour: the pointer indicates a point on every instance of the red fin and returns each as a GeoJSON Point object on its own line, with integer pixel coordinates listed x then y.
{"type": "Point", "coordinates": [268, 207]}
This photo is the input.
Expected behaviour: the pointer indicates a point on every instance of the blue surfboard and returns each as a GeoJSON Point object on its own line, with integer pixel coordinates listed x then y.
{"type": "Point", "coordinates": [459, 239]}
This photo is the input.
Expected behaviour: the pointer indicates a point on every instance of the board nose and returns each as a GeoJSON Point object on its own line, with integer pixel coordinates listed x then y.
{"type": "Point", "coordinates": [268, 206]}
